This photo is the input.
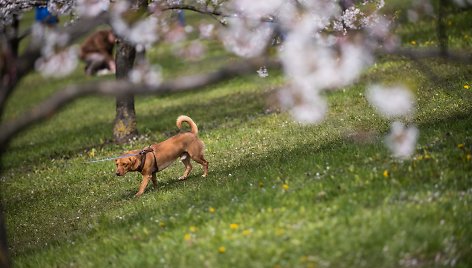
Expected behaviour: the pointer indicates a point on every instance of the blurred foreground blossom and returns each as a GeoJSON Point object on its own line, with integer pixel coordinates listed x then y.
{"type": "Point", "coordinates": [322, 62]}
{"type": "Point", "coordinates": [142, 33]}
{"type": "Point", "coordinates": [143, 73]}
{"type": "Point", "coordinates": [206, 30]}
{"type": "Point", "coordinates": [255, 9]}
{"type": "Point", "coordinates": [304, 107]}
{"type": "Point", "coordinates": [310, 113]}
{"type": "Point", "coordinates": [391, 102]}
{"type": "Point", "coordinates": [193, 51]}
{"type": "Point", "coordinates": [91, 8]}
{"type": "Point", "coordinates": [50, 39]}
{"type": "Point", "coordinates": [246, 38]}
{"type": "Point", "coordinates": [59, 64]}
{"type": "Point", "coordinates": [402, 140]}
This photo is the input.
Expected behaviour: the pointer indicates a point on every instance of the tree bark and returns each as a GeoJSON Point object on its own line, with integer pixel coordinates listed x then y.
{"type": "Point", "coordinates": [441, 28]}
{"type": "Point", "coordinates": [125, 127]}
{"type": "Point", "coordinates": [4, 256]}
{"type": "Point", "coordinates": [125, 120]}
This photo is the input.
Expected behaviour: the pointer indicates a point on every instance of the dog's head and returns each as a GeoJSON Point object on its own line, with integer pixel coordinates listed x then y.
{"type": "Point", "coordinates": [126, 164]}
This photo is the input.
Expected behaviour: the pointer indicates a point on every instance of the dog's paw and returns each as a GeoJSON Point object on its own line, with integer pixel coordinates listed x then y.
{"type": "Point", "coordinates": [204, 175]}
{"type": "Point", "coordinates": [181, 178]}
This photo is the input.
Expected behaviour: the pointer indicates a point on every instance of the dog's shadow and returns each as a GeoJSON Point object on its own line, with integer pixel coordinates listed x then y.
{"type": "Point", "coordinates": [161, 185]}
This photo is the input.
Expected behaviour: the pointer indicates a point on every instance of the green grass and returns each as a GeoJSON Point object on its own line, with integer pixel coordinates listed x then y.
{"type": "Point", "coordinates": [278, 194]}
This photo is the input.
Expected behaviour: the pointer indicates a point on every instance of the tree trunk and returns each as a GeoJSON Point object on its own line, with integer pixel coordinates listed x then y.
{"type": "Point", "coordinates": [4, 256]}
{"type": "Point", "coordinates": [125, 119]}
{"type": "Point", "coordinates": [441, 28]}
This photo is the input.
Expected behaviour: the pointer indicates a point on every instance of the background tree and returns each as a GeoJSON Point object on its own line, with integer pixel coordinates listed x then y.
{"type": "Point", "coordinates": [125, 126]}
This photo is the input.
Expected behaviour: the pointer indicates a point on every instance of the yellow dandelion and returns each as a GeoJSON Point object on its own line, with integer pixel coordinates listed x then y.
{"type": "Point", "coordinates": [285, 186]}
{"type": "Point", "coordinates": [162, 224]}
{"type": "Point", "coordinates": [187, 237]}
{"type": "Point", "coordinates": [221, 249]}
{"type": "Point", "coordinates": [385, 173]}
{"type": "Point", "coordinates": [211, 209]}
{"type": "Point", "coordinates": [466, 86]}
{"type": "Point", "coordinates": [468, 157]}
{"type": "Point", "coordinates": [234, 226]}
{"type": "Point", "coordinates": [193, 229]}
{"type": "Point", "coordinates": [413, 42]}
{"type": "Point", "coordinates": [92, 152]}
{"type": "Point", "coordinates": [460, 145]}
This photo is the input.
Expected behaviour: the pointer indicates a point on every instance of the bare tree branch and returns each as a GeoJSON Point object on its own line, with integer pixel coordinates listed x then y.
{"type": "Point", "coordinates": [213, 13]}
{"type": "Point", "coordinates": [205, 11]}
{"type": "Point", "coordinates": [116, 88]}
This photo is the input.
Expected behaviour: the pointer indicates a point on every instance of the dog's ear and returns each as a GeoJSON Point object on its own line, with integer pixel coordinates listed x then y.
{"type": "Point", "coordinates": [134, 162]}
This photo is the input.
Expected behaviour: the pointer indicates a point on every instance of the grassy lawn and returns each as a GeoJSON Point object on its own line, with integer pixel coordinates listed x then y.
{"type": "Point", "coordinates": [278, 194]}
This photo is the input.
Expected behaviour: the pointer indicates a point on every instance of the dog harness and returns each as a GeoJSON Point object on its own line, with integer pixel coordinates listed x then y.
{"type": "Point", "coordinates": [143, 153]}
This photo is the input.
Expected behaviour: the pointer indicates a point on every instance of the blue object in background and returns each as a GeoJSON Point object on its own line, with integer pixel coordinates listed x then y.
{"type": "Point", "coordinates": [181, 17]}
{"type": "Point", "coordinates": [44, 16]}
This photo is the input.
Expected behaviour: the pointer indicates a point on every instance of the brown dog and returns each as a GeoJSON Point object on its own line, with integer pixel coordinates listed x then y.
{"type": "Point", "coordinates": [159, 156]}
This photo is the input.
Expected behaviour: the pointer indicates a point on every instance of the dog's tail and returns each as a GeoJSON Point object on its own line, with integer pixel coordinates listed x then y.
{"type": "Point", "coordinates": [184, 118]}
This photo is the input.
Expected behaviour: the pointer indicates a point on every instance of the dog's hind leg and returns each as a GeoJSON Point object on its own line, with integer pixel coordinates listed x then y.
{"type": "Point", "coordinates": [188, 166]}
{"type": "Point", "coordinates": [201, 160]}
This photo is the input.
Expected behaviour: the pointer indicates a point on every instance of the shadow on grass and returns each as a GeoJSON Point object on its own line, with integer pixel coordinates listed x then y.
{"type": "Point", "coordinates": [280, 159]}
{"type": "Point", "coordinates": [209, 115]}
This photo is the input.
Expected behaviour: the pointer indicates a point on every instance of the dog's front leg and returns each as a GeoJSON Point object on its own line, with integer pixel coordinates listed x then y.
{"type": "Point", "coordinates": [154, 180]}
{"type": "Point", "coordinates": [144, 183]}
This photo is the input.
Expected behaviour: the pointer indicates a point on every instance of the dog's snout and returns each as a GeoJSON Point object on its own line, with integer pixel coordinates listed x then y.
{"type": "Point", "coordinates": [117, 173]}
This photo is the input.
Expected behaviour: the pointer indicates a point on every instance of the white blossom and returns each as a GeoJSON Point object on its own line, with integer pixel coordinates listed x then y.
{"type": "Point", "coordinates": [351, 16]}
{"type": "Point", "coordinates": [143, 73]}
{"type": "Point", "coordinates": [262, 72]}
{"type": "Point", "coordinates": [255, 9]}
{"type": "Point", "coordinates": [193, 51]}
{"type": "Point", "coordinates": [91, 8]}
{"type": "Point", "coordinates": [142, 33]}
{"type": "Point", "coordinates": [206, 30]}
{"type": "Point", "coordinates": [246, 39]}
{"type": "Point", "coordinates": [305, 106]}
{"type": "Point", "coordinates": [319, 65]}
{"type": "Point", "coordinates": [60, 7]}
{"type": "Point", "coordinates": [402, 140]}
{"type": "Point", "coordinates": [59, 64]}
{"type": "Point", "coordinates": [310, 111]}
{"type": "Point", "coordinates": [391, 102]}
